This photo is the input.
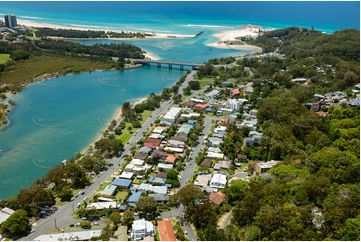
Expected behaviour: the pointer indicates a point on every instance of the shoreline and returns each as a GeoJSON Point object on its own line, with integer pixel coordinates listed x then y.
{"type": "Point", "coordinates": [56, 26]}
{"type": "Point", "coordinates": [226, 38]}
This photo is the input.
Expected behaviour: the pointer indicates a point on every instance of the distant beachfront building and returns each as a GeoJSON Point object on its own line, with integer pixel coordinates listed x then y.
{"type": "Point", "coordinates": [172, 115]}
{"type": "Point", "coordinates": [10, 21]}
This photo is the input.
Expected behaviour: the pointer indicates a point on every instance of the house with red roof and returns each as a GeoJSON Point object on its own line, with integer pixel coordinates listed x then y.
{"type": "Point", "coordinates": [235, 92]}
{"type": "Point", "coordinates": [216, 198]}
{"type": "Point", "coordinates": [166, 231]}
{"type": "Point", "coordinates": [170, 159]}
{"type": "Point", "coordinates": [152, 143]}
{"type": "Point", "coordinates": [201, 106]}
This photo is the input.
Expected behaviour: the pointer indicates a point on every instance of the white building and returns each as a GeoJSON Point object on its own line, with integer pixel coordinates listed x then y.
{"type": "Point", "coordinates": [72, 235]}
{"type": "Point", "coordinates": [165, 166]}
{"type": "Point", "coordinates": [172, 114]}
{"type": "Point", "coordinates": [218, 181]}
{"type": "Point", "coordinates": [5, 213]}
{"type": "Point", "coordinates": [141, 229]}
{"type": "Point", "coordinates": [151, 188]}
{"type": "Point", "coordinates": [235, 104]}
{"type": "Point", "coordinates": [102, 205]}
{"type": "Point", "coordinates": [220, 130]}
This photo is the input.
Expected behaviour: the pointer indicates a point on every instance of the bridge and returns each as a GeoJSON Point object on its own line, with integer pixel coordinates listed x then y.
{"type": "Point", "coordinates": [169, 63]}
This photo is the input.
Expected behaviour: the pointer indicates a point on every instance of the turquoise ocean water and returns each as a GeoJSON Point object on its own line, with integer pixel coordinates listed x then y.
{"type": "Point", "coordinates": [55, 118]}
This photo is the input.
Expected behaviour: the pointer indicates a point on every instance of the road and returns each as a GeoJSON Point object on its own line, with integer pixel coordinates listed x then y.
{"type": "Point", "coordinates": [189, 169]}
{"type": "Point", "coordinates": [62, 217]}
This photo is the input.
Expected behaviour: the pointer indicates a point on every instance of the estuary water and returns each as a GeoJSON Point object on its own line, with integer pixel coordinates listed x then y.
{"type": "Point", "coordinates": [55, 118]}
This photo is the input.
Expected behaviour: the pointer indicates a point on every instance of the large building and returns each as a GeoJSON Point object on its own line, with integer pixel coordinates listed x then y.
{"type": "Point", "coordinates": [10, 21]}
{"type": "Point", "coordinates": [141, 229]}
{"type": "Point", "coordinates": [172, 115]}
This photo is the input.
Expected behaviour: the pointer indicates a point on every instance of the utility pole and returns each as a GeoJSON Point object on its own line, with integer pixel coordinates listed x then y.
{"type": "Point", "coordinates": [55, 223]}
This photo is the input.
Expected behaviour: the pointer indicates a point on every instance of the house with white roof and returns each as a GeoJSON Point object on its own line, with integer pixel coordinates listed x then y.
{"type": "Point", "coordinates": [141, 229]}
{"type": "Point", "coordinates": [218, 181]}
{"type": "Point", "coordinates": [151, 188]}
{"type": "Point", "coordinates": [220, 130]}
{"type": "Point", "coordinates": [5, 213]}
{"type": "Point", "coordinates": [172, 115]}
{"type": "Point", "coordinates": [235, 104]}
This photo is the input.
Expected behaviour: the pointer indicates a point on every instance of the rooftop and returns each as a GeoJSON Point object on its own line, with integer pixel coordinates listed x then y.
{"type": "Point", "coordinates": [166, 231]}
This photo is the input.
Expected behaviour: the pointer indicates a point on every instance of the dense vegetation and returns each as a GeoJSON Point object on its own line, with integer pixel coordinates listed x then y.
{"type": "Point", "coordinates": [85, 34]}
{"type": "Point", "coordinates": [314, 193]}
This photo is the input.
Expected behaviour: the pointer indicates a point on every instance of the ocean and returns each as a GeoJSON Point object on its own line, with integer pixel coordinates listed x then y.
{"type": "Point", "coordinates": [55, 118]}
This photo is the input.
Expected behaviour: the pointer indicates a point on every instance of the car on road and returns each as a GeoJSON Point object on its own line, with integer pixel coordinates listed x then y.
{"type": "Point", "coordinates": [84, 218]}
{"type": "Point", "coordinates": [71, 225]}
{"type": "Point", "coordinates": [32, 230]}
{"type": "Point", "coordinates": [82, 193]}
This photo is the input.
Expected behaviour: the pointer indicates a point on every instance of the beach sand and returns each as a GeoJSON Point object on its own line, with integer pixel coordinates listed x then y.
{"type": "Point", "coordinates": [54, 26]}
{"type": "Point", "coordinates": [250, 31]}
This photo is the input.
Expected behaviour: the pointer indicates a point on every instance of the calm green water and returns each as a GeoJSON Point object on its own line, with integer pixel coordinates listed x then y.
{"type": "Point", "coordinates": [54, 119]}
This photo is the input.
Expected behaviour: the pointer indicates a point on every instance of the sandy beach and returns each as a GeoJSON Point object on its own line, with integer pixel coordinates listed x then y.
{"type": "Point", "coordinates": [54, 26]}
{"type": "Point", "coordinates": [227, 37]}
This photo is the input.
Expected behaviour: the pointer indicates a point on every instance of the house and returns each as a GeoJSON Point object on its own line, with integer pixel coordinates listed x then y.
{"type": "Point", "coordinates": [184, 130]}
{"type": "Point", "coordinates": [102, 205]}
{"type": "Point", "coordinates": [206, 163]}
{"type": "Point", "coordinates": [190, 115]}
{"type": "Point", "coordinates": [318, 97]}
{"type": "Point", "coordinates": [109, 190]}
{"type": "Point", "coordinates": [254, 140]}
{"type": "Point", "coordinates": [262, 167]}
{"type": "Point", "coordinates": [122, 183]}
{"type": "Point", "coordinates": [165, 167]}
{"type": "Point", "coordinates": [215, 142]}
{"type": "Point", "coordinates": [202, 180]}
{"type": "Point", "coordinates": [220, 130]}
{"type": "Point", "coordinates": [83, 235]}
{"type": "Point", "coordinates": [159, 198]}
{"type": "Point", "coordinates": [300, 80]}
{"type": "Point", "coordinates": [218, 181]}
{"type": "Point", "coordinates": [235, 104]}
{"type": "Point", "coordinates": [197, 100]}
{"type": "Point", "coordinates": [157, 180]}
{"type": "Point", "coordinates": [176, 143]}
{"type": "Point", "coordinates": [141, 229]}
{"type": "Point", "coordinates": [122, 233]}
{"type": "Point", "coordinates": [5, 213]}
{"type": "Point", "coordinates": [172, 115]}
{"type": "Point", "coordinates": [151, 188]}
{"type": "Point", "coordinates": [152, 143]}
{"type": "Point", "coordinates": [170, 159]}
{"type": "Point", "coordinates": [214, 149]}
{"type": "Point", "coordinates": [224, 164]}
{"type": "Point", "coordinates": [201, 106]}
{"type": "Point", "coordinates": [140, 156]}
{"type": "Point", "coordinates": [235, 92]}
{"type": "Point", "coordinates": [166, 231]}
{"type": "Point", "coordinates": [214, 155]}
{"type": "Point", "coordinates": [134, 197]}
{"type": "Point", "coordinates": [161, 174]}
{"type": "Point", "coordinates": [188, 104]}
{"type": "Point", "coordinates": [159, 130]}
{"type": "Point", "coordinates": [127, 175]}
{"type": "Point", "coordinates": [212, 93]}
{"type": "Point", "coordinates": [216, 198]}
{"type": "Point", "coordinates": [242, 158]}
{"type": "Point", "coordinates": [173, 149]}
{"type": "Point", "coordinates": [248, 90]}
{"type": "Point", "coordinates": [145, 150]}
{"type": "Point", "coordinates": [321, 114]}
{"type": "Point", "coordinates": [158, 154]}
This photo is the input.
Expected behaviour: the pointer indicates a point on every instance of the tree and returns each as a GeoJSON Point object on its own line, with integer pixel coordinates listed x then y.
{"type": "Point", "coordinates": [115, 217]}
{"type": "Point", "coordinates": [236, 190]}
{"type": "Point", "coordinates": [85, 225]}
{"type": "Point", "coordinates": [19, 55]}
{"type": "Point", "coordinates": [172, 175]}
{"type": "Point", "coordinates": [16, 225]}
{"type": "Point", "coordinates": [146, 205]}
{"type": "Point", "coordinates": [128, 218]}
{"type": "Point", "coordinates": [187, 195]}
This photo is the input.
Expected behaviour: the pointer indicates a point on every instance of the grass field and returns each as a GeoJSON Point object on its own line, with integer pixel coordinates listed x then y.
{"type": "Point", "coordinates": [4, 58]}
{"type": "Point", "coordinates": [205, 82]}
{"type": "Point", "coordinates": [121, 196]}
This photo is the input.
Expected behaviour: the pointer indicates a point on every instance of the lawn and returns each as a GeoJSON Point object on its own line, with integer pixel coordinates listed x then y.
{"type": "Point", "coordinates": [4, 58]}
{"type": "Point", "coordinates": [121, 196]}
{"type": "Point", "coordinates": [205, 82]}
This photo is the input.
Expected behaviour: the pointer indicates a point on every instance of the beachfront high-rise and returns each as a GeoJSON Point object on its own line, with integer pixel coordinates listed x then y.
{"type": "Point", "coordinates": [10, 21]}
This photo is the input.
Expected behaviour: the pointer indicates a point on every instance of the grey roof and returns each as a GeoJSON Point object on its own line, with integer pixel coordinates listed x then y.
{"type": "Point", "coordinates": [121, 182]}
{"type": "Point", "coordinates": [159, 197]}
{"type": "Point", "coordinates": [145, 150]}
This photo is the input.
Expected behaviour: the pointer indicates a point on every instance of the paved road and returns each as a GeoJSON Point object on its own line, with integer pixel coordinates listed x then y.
{"type": "Point", "coordinates": [62, 217]}
{"type": "Point", "coordinates": [189, 169]}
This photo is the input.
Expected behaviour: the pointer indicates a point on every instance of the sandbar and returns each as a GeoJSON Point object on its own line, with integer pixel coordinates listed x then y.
{"type": "Point", "coordinates": [55, 26]}
{"type": "Point", "coordinates": [228, 39]}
